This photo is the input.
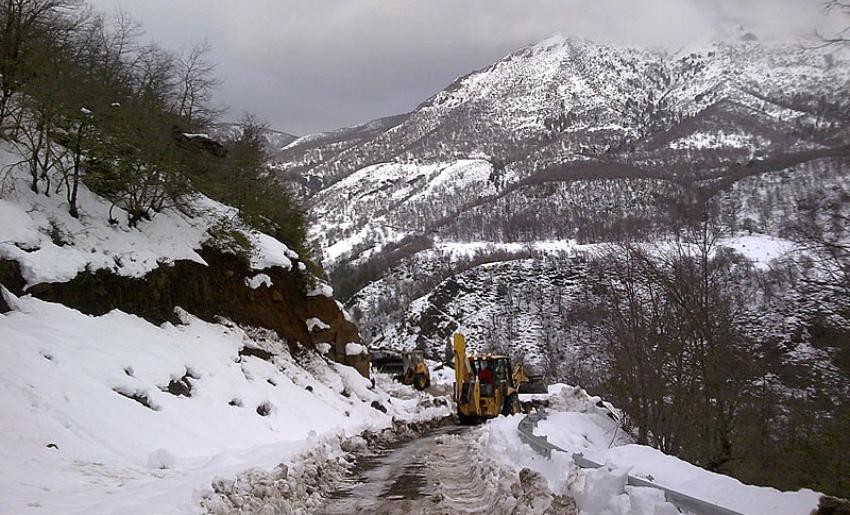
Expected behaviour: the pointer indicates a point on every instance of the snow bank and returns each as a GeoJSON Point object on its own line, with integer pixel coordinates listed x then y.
{"type": "Point", "coordinates": [77, 445]}
{"type": "Point", "coordinates": [697, 482]}
{"type": "Point", "coordinates": [316, 324]}
{"type": "Point", "coordinates": [354, 349]}
{"type": "Point", "coordinates": [259, 280]}
{"type": "Point", "coordinates": [595, 491]}
{"type": "Point", "coordinates": [586, 425]}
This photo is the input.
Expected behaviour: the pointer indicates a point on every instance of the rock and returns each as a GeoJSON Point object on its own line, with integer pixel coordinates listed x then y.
{"type": "Point", "coordinates": [833, 506]}
{"type": "Point", "coordinates": [161, 459]}
{"type": "Point", "coordinates": [282, 471]}
{"type": "Point", "coordinates": [222, 485]}
{"type": "Point", "coordinates": [378, 406]}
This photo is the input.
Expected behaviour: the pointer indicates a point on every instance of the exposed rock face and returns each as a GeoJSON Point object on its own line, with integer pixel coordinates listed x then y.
{"type": "Point", "coordinates": [208, 292]}
{"type": "Point", "coordinates": [10, 278]}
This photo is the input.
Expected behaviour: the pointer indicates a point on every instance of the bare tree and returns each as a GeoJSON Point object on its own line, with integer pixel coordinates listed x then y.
{"type": "Point", "coordinates": [196, 85]}
{"type": "Point", "coordinates": [841, 37]}
{"type": "Point", "coordinates": [679, 363]}
{"type": "Point", "coordinates": [22, 23]}
{"type": "Point", "coordinates": [822, 234]}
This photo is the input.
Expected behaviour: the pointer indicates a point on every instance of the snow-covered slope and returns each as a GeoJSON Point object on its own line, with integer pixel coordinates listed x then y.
{"type": "Point", "coordinates": [388, 201]}
{"type": "Point", "coordinates": [50, 245]}
{"type": "Point", "coordinates": [113, 414]}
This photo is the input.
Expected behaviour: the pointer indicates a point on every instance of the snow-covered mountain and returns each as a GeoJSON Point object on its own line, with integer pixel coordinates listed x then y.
{"type": "Point", "coordinates": [274, 139]}
{"type": "Point", "coordinates": [568, 99]}
{"type": "Point", "coordinates": [568, 109]}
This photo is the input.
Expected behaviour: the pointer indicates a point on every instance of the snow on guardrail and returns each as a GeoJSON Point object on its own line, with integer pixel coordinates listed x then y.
{"type": "Point", "coordinates": [542, 446]}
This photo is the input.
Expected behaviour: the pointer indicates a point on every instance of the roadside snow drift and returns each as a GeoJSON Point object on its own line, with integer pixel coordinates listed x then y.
{"type": "Point", "coordinates": [578, 424]}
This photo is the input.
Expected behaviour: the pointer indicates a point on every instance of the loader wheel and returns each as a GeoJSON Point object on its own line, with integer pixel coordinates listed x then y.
{"type": "Point", "coordinates": [420, 382]}
{"type": "Point", "coordinates": [512, 405]}
{"type": "Point", "coordinates": [466, 420]}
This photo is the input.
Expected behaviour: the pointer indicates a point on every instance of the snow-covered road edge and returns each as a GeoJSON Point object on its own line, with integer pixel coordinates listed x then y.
{"type": "Point", "coordinates": [302, 484]}
{"type": "Point", "coordinates": [579, 425]}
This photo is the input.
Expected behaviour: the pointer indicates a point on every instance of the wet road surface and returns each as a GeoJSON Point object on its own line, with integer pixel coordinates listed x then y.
{"type": "Point", "coordinates": [399, 479]}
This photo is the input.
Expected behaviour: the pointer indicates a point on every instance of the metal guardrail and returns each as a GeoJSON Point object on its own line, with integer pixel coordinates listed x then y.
{"type": "Point", "coordinates": [541, 445]}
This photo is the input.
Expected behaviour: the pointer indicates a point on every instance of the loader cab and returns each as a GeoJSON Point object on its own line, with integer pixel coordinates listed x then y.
{"type": "Point", "coordinates": [492, 373]}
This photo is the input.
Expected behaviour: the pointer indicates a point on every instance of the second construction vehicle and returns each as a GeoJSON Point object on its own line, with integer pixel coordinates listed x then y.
{"type": "Point", "coordinates": [484, 386]}
{"type": "Point", "coordinates": [416, 371]}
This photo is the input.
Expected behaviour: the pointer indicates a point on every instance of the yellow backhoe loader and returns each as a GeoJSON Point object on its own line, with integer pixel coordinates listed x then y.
{"type": "Point", "coordinates": [416, 371]}
{"type": "Point", "coordinates": [484, 386]}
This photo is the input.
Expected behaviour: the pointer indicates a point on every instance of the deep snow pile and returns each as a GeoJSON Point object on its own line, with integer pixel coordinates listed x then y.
{"type": "Point", "coordinates": [114, 414]}
{"type": "Point", "coordinates": [579, 425]}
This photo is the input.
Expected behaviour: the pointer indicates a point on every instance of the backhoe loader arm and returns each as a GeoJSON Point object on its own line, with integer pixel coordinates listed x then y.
{"type": "Point", "coordinates": [460, 362]}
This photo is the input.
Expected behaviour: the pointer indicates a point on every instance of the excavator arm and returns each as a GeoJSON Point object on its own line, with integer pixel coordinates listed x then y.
{"type": "Point", "coordinates": [460, 362]}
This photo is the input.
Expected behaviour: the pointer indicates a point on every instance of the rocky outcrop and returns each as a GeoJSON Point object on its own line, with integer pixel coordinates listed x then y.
{"type": "Point", "coordinates": [284, 303]}
{"type": "Point", "coordinates": [10, 278]}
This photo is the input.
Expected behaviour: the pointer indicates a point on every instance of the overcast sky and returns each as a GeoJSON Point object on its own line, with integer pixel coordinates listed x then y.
{"type": "Point", "coordinates": [311, 65]}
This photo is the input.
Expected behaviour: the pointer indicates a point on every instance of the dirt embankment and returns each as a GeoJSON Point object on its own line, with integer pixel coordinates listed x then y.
{"type": "Point", "coordinates": [208, 292]}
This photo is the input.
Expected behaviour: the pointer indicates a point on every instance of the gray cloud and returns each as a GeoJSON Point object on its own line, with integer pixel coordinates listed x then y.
{"type": "Point", "coordinates": [309, 65]}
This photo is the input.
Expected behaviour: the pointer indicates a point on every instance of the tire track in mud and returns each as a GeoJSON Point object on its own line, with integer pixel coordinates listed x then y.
{"type": "Point", "coordinates": [441, 473]}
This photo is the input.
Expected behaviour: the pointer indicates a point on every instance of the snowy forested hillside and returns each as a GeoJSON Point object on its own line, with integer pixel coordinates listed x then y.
{"type": "Point", "coordinates": [578, 143]}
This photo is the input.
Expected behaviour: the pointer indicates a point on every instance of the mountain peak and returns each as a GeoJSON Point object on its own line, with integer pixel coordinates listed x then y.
{"type": "Point", "coordinates": [556, 40]}
{"type": "Point", "coordinates": [735, 33]}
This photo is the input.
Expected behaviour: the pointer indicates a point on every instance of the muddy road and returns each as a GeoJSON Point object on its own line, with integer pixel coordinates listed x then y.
{"type": "Point", "coordinates": [442, 472]}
